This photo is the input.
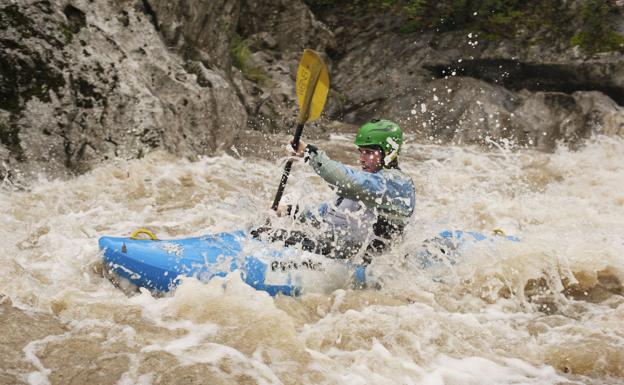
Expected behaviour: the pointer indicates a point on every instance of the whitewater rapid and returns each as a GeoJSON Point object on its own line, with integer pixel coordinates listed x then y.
{"type": "Point", "coordinates": [546, 310]}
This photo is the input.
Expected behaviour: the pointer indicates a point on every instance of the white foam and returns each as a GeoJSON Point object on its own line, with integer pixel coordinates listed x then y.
{"type": "Point", "coordinates": [567, 208]}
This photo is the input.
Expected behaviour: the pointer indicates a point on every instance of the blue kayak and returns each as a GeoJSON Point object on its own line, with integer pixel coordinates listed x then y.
{"type": "Point", "coordinates": [158, 264]}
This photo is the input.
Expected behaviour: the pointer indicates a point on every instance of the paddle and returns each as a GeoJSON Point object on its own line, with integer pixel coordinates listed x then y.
{"type": "Point", "coordinates": [312, 87]}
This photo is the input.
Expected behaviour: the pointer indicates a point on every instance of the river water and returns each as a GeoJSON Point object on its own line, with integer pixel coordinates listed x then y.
{"type": "Point", "coordinates": [546, 310]}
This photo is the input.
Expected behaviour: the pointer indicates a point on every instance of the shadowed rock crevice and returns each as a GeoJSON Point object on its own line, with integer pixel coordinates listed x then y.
{"type": "Point", "coordinates": [75, 17]}
{"type": "Point", "coordinates": [516, 75]}
{"type": "Point", "coordinates": [151, 15]}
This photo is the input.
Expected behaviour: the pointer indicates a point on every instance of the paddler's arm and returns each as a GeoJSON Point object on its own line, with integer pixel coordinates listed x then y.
{"type": "Point", "coordinates": [352, 184]}
{"type": "Point", "coordinates": [387, 190]}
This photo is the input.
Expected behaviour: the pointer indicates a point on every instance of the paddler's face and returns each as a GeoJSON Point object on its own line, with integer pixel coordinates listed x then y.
{"type": "Point", "coordinates": [370, 159]}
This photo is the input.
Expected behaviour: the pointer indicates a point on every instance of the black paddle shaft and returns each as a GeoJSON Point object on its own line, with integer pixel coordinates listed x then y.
{"type": "Point", "coordinates": [298, 133]}
{"type": "Point", "coordinates": [287, 167]}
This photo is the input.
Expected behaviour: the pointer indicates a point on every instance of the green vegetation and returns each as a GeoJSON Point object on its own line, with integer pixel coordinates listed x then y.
{"type": "Point", "coordinates": [67, 33]}
{"type": "Point", "coordinates": [611, 41]}
{"type": "Point", "coordinates": [529, 22]}
{"type": "Point", "coordinates": [596, 35]}
{"type": "Point", "coordinates": [340, 98]}
{"type": "Point", "coordinates": [241, 58]}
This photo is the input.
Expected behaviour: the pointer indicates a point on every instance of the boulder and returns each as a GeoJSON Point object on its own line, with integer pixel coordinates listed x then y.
{"type": "Point", "coordinates": [461, 87]}
{"type": "Point", "coordinates": [197, 29]}
{"type": "Point", "coordinates": [275, 33]}
{"type": "Point", "coordinates": [86, 82]}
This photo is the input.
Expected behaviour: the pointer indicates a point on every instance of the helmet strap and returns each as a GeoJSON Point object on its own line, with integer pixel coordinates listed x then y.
{"type": "Point", "coordinates": [390, 158]}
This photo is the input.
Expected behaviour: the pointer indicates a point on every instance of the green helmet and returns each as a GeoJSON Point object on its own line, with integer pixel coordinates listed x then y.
{"type": "Point", "coordinates": [383, 133]}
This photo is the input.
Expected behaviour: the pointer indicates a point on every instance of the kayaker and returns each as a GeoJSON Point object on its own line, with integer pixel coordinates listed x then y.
{"type": "Point", "coordinates": [372, 205]}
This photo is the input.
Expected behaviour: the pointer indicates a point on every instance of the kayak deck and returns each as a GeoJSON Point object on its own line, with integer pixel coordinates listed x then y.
{"type": "Point", "coordinates": [158, 264]}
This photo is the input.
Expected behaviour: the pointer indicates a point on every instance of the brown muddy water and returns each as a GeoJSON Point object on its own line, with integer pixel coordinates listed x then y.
{"type": "Point", "coordinates": [546, 310]}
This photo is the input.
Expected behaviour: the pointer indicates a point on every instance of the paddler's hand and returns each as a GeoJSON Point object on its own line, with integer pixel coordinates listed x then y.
{"type": "Point", "coordinates": [300, 149]}
{"type": "Point", "coordinates": [281, 209]}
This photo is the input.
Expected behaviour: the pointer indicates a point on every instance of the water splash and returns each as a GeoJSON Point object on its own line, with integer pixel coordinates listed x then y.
{"type": "Point", "coordinates": [545, 310]}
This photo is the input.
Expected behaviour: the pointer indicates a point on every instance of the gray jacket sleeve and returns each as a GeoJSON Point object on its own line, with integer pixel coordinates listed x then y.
{"type": "Point", "coordinates": [390, 191]}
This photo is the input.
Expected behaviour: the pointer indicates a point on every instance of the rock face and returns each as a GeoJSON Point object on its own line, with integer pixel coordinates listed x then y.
{"type": "Point", "coordinates": [276, 32]}
{"type": "Point", "coordinates": [199, 30]}
{"type": "Point", "coordinates": [83, 81]}
{"type": "Point", "coordinates": [461, 88]}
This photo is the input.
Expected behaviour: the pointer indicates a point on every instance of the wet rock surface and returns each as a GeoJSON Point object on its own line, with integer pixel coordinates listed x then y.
{"type": "Point", "coordinates": [82, 83]}
{"type": "Point", "coordinates": [461, 87]}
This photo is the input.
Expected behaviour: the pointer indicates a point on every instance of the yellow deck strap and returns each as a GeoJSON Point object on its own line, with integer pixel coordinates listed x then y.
{"type": "Point", "coordinates": [135, 234]}
{"type": "Point", "coordinates": [499, 232]}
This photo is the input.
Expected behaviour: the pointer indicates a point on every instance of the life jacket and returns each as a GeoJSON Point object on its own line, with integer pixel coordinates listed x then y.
{"type": "Point", "coordinates": [370, 209]}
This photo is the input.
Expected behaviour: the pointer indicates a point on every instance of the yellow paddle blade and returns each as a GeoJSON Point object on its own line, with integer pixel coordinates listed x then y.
{"type": "Point", "coordinates": [312, 86]}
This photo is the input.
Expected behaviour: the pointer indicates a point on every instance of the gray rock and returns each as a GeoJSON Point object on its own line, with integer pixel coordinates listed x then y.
{"type": "Point", "coordinates": [277, 33]}
{"type": "Point", "coordinates": [602, 115]}
{"type": "Point", "coordinates": [460, 110]}
{"type": "Point", "coordinates": [459, 87]}
{"type": "Point", "coordinates": [197, 29]}
{"type": "Point", "coordinates": [89, 82]}
{"type": "Point", "coordinates": [289, 23]}
{"type": "Point", "coordinates": [83, 82]}
{"type": "Point", "coordinates": [546, 117]}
